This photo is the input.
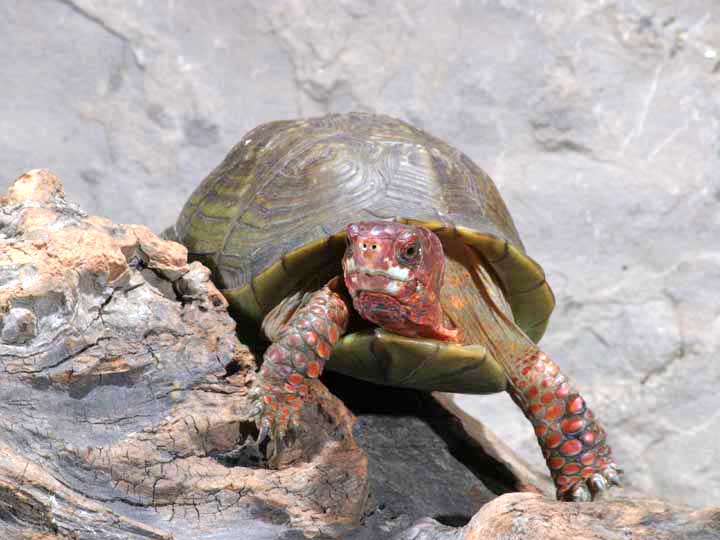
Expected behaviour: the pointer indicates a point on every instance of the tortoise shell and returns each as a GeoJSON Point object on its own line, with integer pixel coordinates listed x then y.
{"type": "Point", "coordinates": [269, 220]}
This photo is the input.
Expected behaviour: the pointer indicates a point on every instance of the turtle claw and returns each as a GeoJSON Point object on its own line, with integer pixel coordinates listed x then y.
{"type": "Point", "coordinates": [598, 484]}
{"type": "Point", "coordinates": [271, 419]}
{"type": "Point", "coordinates": [256, 410]}
{"type": "Point", "coordinates": [595, 487]}
{"type": "Point", "coordinates": [580, 493]}
{"type": "Point", "coordinates": [613, 475]}
{"type": "Point", "coordinates": [263, 433]}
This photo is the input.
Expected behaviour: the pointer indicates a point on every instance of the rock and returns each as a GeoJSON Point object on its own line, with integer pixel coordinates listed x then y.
{"type": "Point", "coordinates": [123, 393]}
{"type": "Point", "coordinates": [519, 516]}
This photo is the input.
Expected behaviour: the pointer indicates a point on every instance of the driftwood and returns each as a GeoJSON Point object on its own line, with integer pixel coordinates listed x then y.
{"type": "Point", "coordinates": [123, 415]}
{"type": "Point", "coordinates": [521, 516]}
{"type": "Point", "coordinates": [122, 384]}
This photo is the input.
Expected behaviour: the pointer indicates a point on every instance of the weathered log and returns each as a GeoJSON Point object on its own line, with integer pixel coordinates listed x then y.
{"type": "Point", "coordinates": [519, 516]}
{"type": "Point", "coordinates": [122, 385]}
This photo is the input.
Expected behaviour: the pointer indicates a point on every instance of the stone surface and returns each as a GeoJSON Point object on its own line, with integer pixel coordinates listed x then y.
{"type": "Point", "coordinates": [518, 516]}
{"type": "Point", "coordinates": [598, 120]}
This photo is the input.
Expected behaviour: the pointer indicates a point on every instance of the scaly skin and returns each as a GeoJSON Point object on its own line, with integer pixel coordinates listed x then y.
{"type": "Point", "coordinates": [393, 273]}
{"type": "Point", "coordinates": [299, 353]}
{"type": "Point", "coordinates": [572, 441]}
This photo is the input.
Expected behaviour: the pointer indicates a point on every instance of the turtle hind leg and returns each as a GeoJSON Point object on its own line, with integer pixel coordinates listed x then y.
{"type": "Point", "coordinates": [301, 345]}
{"type": "Point", "coordinates": [573, 442]}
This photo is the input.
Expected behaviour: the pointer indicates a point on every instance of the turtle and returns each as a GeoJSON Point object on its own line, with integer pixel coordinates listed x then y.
{"type": "Point", "coordinates": [360, 242]}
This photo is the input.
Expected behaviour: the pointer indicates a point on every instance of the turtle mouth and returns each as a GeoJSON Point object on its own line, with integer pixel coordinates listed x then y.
{"type": "Point", "coordinates": [380, 282]}
{"type": "Point", "coordinates": [395, 273]}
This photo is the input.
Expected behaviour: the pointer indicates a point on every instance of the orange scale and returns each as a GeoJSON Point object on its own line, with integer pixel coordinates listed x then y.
{"type": "Point", "coordinates": [571, 468]}
{"type": "Point", "coordinates": [575, 405]}
{"type": "Point", "coordinates": [313, 369]}
{"type": "Point", "coordinates": [571, 447]}
{"type": "Point", "coordinates": [554, 439]}
{"type": "Point", "coordinates": [323, 350]}
{"type": "Point", "coordinates": [295, 378]}
{"type": "Point", "coordinates": [556, 462]}
{"type": "Point", "coordinates": [572, 425]}
{"type": "Point", "coordinates": [554, 412]}
{"type": "Point", "coordinates": [587, 458]}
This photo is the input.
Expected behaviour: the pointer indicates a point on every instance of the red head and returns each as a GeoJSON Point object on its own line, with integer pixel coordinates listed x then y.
{"type": "Point", "coordinates": [394, 273]}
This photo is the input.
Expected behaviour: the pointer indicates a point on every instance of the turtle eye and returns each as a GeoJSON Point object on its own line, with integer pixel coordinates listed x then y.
{"type": "Point", "coordinates": [410, 253]}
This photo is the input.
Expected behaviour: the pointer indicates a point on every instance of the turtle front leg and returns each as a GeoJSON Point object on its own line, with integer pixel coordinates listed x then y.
{"type": "Point", "coordinates": [299, 350]}
{"type": "Point", "coordinates": [572, 441]}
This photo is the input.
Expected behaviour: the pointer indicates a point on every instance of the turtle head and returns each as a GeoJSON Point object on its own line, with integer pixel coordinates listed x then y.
{"type": "Point", "coordinates": [394, 274]}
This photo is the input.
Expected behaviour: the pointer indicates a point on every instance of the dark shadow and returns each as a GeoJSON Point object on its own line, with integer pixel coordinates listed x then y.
{"type": "Point", "coordinates": [453, 520]}
{"type": "Point", "coordinates": [363, 398]}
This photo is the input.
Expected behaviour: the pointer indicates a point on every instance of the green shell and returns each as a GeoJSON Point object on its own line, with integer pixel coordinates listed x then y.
{"type": "Point", "coordinates": [269, 219]}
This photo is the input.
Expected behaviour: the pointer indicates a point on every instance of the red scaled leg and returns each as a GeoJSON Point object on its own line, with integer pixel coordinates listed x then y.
{"type": "Point", "coordinates": [572, 440]}
{"type": "Point", "coordinates": [299, 350]}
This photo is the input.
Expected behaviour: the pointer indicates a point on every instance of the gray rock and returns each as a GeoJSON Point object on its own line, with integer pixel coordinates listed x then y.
{"type": "Point", "coordinates": [598, 120]}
